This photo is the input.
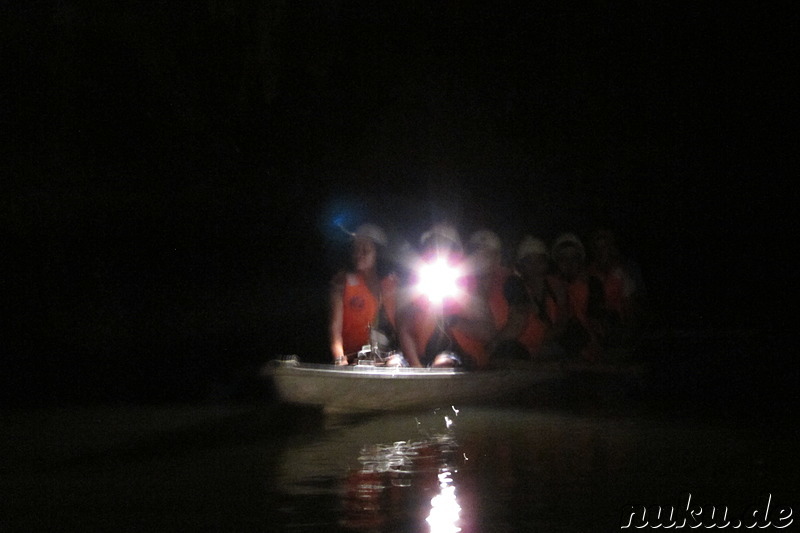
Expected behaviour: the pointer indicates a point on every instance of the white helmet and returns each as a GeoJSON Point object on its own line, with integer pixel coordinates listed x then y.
{"type": "Point", "coordinates": [566, 240]}
{"type": "Point", "coordinates": [531, 245]}
{"type": "Point", "coordinates": [372, 232]}
{"type": "Point", "coordinates": [485, 240]}
{"type": "Point", "coordinates": [441, 232]}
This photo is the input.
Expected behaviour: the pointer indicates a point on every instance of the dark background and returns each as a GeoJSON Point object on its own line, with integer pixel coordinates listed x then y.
{"type": "Point", "coordinates": [172, 171]}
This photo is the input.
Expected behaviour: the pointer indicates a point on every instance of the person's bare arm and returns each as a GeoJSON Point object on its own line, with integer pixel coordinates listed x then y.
{"type": "Point", "coordinates": [476, 318]}
{"type": "Point", "coordinates": [336, 322]}
{"type": "Point", "coordinates": [512, 329]}
{"type": "Point", "coordinates": [404, 318]}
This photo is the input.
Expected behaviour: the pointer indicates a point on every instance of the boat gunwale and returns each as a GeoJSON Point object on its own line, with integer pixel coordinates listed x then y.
{"type": "Point", "coordinates": [363, 371]}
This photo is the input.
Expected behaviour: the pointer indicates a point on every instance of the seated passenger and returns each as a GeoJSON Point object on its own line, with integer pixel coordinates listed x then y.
{"type": "Point", "coordinates": [622, 288]}
{"type": "Point", "coordinates": [537, 305]}
{"type": "Point", "coordinates": [583, 331]}
{"type": "Point", "coordinates": [440, 322]}
{"type": "Point", "coordinates": [489, 273]}
{"type": "Point", "coordinates": [362, 299]}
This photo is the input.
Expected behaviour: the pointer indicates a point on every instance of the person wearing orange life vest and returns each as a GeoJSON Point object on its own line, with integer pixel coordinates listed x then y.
{"type": "Point", "coordinates": [537, 305]}
{"type": "Point", "coordinates": [449, 329]}
{"type": "Point", "coordinates": [362, 300]}
{"type": "Point", "coordinates": [623, 288]}
{"type": "Point", "coordinates": [583, 332]}
{"type": "Point", "coordinates": [489, 273]}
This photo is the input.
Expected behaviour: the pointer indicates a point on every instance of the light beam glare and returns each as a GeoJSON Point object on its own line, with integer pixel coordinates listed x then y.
{"type": "Point", "coordinates": [438, 280]}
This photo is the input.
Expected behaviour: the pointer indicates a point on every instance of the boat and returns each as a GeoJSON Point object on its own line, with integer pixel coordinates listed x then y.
{"type": "Point", "coordinates": [365, 388]}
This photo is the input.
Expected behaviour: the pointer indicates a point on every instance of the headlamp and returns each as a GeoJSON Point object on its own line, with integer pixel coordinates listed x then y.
{"type": "Point", "coordinates": [438, 279]}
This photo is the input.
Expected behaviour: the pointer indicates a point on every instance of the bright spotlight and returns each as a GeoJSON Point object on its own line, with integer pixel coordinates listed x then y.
{"type": "Point", "coordinates": [438, 280]}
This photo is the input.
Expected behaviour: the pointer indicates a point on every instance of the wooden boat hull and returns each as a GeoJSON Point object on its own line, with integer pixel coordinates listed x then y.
{"type": "Point", "coordinates": [354, 389]}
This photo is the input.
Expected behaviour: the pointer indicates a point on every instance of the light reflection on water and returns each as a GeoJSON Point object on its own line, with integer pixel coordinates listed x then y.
{"type": "Point", "coordinates": [266, 468]}
{"type": "Point", "coordinates": [515, 470]}
{"type": "Point", "coordinates": [444, 516]}
{"type": "Point", "coordinates": [392, 485]}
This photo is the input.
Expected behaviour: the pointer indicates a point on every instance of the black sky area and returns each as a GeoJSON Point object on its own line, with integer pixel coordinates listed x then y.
{"type": "Point", "coordinates": [172, 170]}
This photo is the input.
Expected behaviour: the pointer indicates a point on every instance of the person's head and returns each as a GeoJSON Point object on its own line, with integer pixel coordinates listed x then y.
{"type": "Point", "coordinates": [532, 257]}
{"type": "Point", "coordinates": [568, 255]}
{"type": "Point", "coordinates": [441, 239]}
{"type": "Point", "coordinates": [485, 251]}
{"type": "Point", "coordinates": [368, 239]}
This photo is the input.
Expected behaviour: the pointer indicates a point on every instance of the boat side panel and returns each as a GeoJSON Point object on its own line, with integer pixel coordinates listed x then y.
{"type": "Point", "coordinates": [362, 392]}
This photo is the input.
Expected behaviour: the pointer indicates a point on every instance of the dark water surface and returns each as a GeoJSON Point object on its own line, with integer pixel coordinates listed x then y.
{"type": "Point", "coordinates": [259, 466]}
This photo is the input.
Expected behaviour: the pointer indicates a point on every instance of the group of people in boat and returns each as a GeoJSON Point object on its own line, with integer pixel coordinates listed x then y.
{"type": "Point", "coordinates": [449, 303]}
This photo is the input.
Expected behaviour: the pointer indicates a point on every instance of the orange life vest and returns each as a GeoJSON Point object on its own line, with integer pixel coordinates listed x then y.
{"type": "Point", "coordinates": [617, 287]}
{"type": "Point", "coordinates": [497, 299]}
{"type": "Point", "coordinates": [538, 324]}
{"type": "Point", "coordinates": [578, 299]}
{"type": "Point", "coordinates": [578, 296]}
{"type": "Point", "coordinates": [472, 346]}
{"type": "Point", "coordinates": [474, 349]}
{"type": "Point", "coordinates": [424, 324]}
{"type": "Point", "coordinates": [361, 308]}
